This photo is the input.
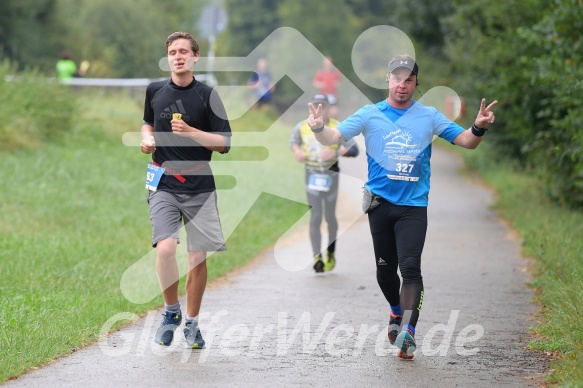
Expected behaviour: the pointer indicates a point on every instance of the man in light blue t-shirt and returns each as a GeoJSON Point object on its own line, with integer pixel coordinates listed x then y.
{"type": "Point", "coordinates": [398, 133]}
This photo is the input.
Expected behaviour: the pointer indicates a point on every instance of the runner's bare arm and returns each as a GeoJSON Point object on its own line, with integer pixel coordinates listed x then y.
{"type": "Point", "coordinates": [147, 130]}
{"type": "Point", "coordinates": [329, 136]}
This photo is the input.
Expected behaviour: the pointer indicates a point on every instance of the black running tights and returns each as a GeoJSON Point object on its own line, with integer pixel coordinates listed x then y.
{"type": "Point", "coordinates": [398, 235]}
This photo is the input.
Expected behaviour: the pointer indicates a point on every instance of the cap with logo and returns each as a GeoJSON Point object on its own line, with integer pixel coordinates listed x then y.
{"type": "Point", "coordinates": [404, 63]}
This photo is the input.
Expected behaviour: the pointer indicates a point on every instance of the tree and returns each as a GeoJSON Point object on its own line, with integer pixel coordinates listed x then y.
{"type": "Point", "coordinates": [558, 143]}
{"type": "Point", "coordinates": [327, 24]}
{"type": "Point", "coordinates": [528, 55]}
{"type": "Point", "coordinates": [24, 25]}
{"type": "Point", "coordinates": [118, 38]}
{"type": "Point", "coordinates": [250, 22]}
{"type": "Point", "coordinates": [123, 42]}
{"type": "Point", "coordinates": [489, 61]}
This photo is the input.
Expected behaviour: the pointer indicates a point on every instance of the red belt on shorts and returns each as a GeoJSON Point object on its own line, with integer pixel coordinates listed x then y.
{"type": "Point", "coordinates": [176, 173]}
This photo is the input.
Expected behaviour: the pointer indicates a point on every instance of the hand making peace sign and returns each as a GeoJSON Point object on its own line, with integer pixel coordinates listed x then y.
{"type": "Point", "coordinates": [315, 120]}
{"type": "Point", "coordinates": [485, 115]}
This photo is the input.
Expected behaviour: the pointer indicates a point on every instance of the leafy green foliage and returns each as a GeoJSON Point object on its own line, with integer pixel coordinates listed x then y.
{"type": "Point", "coordinates": [489, 62]}
{"type": "Point", "coordinates": [528, 54]}
{"type": "Point", "coordinates": [118, 38]}
{"type": "Point", "coordinates": [124, 42]}
{"type": "Point", "coordinates": [24, 25]}
{"type": "Point", "coordinates": [249, 25]}
{"type": "Point", "coordinates": [558, 146]}
{"type": "Point", "coordinates": [338, 28]}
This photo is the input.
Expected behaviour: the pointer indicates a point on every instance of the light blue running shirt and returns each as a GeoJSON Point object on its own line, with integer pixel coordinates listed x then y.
{"type": "Point", "coordinates": [398, 148]}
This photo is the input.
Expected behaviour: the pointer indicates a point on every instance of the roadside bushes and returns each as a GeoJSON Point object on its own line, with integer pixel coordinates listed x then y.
{"type": "Point", "coordinates": [558, 145]}
{"type": "Point", "coordinates": [528, 54]}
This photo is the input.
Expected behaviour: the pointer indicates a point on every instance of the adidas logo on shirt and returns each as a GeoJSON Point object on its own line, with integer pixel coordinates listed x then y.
{"type": "Point", "coordinates": [176, 107]}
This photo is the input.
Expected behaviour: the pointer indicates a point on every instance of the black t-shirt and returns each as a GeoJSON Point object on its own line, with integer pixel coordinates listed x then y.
{"type": "Point", "coordinates": [201, 109]}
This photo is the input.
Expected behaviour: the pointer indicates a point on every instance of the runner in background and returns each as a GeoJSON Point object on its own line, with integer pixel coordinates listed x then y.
{"type": "Point", "coordinates": [321, 163]}
{"type": "Point", "coordinates": [66, 68]}
{"type": "Point", "coordinates": [326, 80]}
{"type": "Point", "coordinates": [262, 84]}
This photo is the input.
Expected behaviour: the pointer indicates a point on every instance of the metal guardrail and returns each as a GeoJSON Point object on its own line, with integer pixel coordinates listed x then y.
{"type": "Point", "coordinates": [110, 82]}
{"type": "Point", "coordinates": [208, 79]}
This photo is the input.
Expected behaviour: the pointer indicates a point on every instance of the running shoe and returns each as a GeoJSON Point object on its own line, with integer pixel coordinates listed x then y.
{"type": "Point", "coordinates": [394, 327]}
{"type": "Point", "coordinates": [193, 337]}
{"type": "Point", "coordinates": [165, 333]}
{"type": "Point", "coordinates": [329, 262]}
{"type": "Point", "coordinates": [318, 263]}
{"type": "Point", "coordinates": [406, 344]}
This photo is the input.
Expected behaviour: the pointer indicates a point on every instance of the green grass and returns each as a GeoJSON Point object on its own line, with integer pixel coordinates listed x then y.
{"type": "Point", "coordinates": [74, 218]}
{"type": "Point", "coordinates": [553, 237]}
{"type": "Point", "coordinates": [34, 110]}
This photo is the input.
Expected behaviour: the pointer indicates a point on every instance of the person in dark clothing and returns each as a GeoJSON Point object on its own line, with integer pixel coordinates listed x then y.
{"type": "Point", "coordinates": [184, 123]}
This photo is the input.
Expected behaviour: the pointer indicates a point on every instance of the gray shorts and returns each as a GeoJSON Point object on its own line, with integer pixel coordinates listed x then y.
{"type": "Point", "coordinates": [199, 214]}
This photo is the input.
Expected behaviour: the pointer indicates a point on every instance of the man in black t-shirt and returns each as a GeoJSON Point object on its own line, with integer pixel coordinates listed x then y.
{"type": "Point", "coordinates": [184, 123]}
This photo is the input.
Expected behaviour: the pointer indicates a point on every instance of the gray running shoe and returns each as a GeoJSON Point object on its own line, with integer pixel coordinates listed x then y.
{"type": "Point", "coordinates": [165, 333]}
{"type": "Point", "coordinates": [193, 337]}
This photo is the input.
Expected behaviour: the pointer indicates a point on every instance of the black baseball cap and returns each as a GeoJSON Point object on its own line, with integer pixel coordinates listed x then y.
{"type": "Point", "coordinates": [320, 99]}
{"type": "Point", "coordinates": [406, 63]}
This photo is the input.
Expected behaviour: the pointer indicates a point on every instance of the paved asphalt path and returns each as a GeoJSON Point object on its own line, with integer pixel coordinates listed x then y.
{"type": "Point", "coordinates": [266, 326]}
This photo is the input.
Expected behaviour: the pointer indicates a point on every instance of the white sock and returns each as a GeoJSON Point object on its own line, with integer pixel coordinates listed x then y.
{"type": "Point", "coordinates": [192, 320]}
{"type": "Point", "coordinates": [173, 308]}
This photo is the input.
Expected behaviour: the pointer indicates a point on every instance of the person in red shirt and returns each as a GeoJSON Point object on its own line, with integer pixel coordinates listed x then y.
{"type": "Point", "coordinates": [326, 80]}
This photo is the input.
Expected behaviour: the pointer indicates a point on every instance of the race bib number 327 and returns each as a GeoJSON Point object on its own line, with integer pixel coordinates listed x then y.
{"type": "Point", "coordinates": [404, 168]}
